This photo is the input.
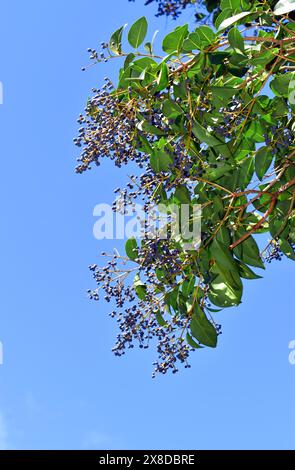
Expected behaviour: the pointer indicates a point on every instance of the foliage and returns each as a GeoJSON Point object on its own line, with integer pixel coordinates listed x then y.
{"type": "Point", "coordinates": [201, 123]}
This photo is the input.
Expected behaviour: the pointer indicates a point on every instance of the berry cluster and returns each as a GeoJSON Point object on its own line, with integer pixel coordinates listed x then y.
{"type": "Point", "coordinates": [232, 117]}
{"type": "Point", "coordinates": [138, 319]}
{"type": "Point", "coordinates": [279, 138]}
{"type": "Point", "coordinates": [107, 130]}
{"type": "Point", "coordinates": [274, 252]}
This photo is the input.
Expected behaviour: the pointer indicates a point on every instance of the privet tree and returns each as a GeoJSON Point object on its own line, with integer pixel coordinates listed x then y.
{"type": "Point", "coordinates": [208, 122]}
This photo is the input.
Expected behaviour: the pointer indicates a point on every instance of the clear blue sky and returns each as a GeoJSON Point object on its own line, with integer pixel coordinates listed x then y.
{"type": "Point", "coordinates": [60, 386]}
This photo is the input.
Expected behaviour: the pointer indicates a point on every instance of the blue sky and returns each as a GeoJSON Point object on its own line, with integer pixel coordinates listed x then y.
{"type": "Point", "coordinates": [60, 386]}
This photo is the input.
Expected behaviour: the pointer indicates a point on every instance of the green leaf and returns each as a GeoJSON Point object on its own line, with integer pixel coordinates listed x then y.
{"type": "Point", "coordinates": [173, 42]}
{"type": "Point", "coordinates": [263, 159]}
{"type": "Point", "coordinates": [140, 287]}
{"type": "Point", "coordinates": [160, 319]}
{"type": "Point", "coordinates": [226, 13]}
{"type": "Point", "coordinates": [129, 59]}
{"type": "Point", "coordinates": [137, 32]}
{"type": "Point", "coordinates": [192, 42]}
{"type": "Point", "coordinates": [145, 126]}
{"type": "Point", "coordinates": [280, 84]}
{"type": "Point", "coordinates": [182, 195]}
{"type": "Point", "coordinates": [246, 272]}
{"type": "Point", "coordinates": [188, 286]}
{"type": "Point", "coordinates": [226, 292]}
{"type": "Point", "coordinates": [206, 34]}
{"type": "Point", "coordinates": [204, 136]}
{"type": "Point", "coordinates": [163, 77]}
{"type": "Point", "coordinates": [202, 329]}
{"type": "Point", "coordinates": [161, 160]}
{"type": "Point", "coordinates": [115, 43]}
{"type": "Point", "coordinates": [287, 249]}
{"type": "Point", "coordinates": [216, 173]}
{"type": "Point", "coordinates": [255, 132]}
{"type": "Point", "coordinates": [171, 109]}
{"type": "Point", "coordinates": [200, 39]}
{"type": "Point", "coordinates": [223, 236]}
{"type": "Point", "coordinates": [284, 6]}
{"type": "Point", "coordinates": [230, 4]}
{"type": "Point", "coordinates": [236, 39]}
{"type": "Point", "coordinates": [248, 250]}
{"type": "Point", "coordinates": [131, 248]}
{"type": "Point", "coordinates": [222, 255]}
{"type": "Point", "coordinates": [246, 172]}
{"type": "Point", "coordinates": [221, 95]}
{"type": "Point", "coordinates": [233, 19]}
{"type": "Point", "coordinates": [191, 342]}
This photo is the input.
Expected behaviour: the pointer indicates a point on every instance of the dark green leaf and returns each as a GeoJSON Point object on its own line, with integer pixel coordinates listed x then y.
{"type": "Point", "coordinates": [202, 329]}
{"type": "Point", "coordinates": [263, 161]}
{"type": "Point", "coordinates": [236, 39]}
{"type": "Point", "coordinates": [191, 342]}
{"type": "Point", "coordinates": [248, 250]}
{"type": "Point", "coordinates": [246, 172]}
{"type": "Point", "coordinates": [222, 255]}
{"type": "Point", "coordinates": [246, 272]}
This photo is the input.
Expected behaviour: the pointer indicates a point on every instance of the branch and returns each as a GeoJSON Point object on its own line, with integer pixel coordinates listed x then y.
{"type": "Point", "coordinates": [265, 216]}
{"type": "Point", "coordinates": [256, 226]}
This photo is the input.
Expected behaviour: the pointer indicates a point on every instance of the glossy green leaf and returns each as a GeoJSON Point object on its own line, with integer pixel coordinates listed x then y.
{"type": "Point", "coordinates": [233, 19]}
{"type": "Point", "coordinates": [222, 255]}
{"type": "Point", "coordinates": [225, 293]}
{"type": "Point", "coordinates": [280, 84]}
{"type": "Point", "coordinates": [236, 39]}
{"type": "Point", "coordinates": [202, 329]}
{"type": "Point", "coordinates": [246, 272]}
{"type": "Point", "coordinates": [263, 159]}
{"type": "Point", "coordinates": [248, 250]}
{"type": "Point", "coordinates": [284, 6]}
{"type": "Point", "coordinates": [131, 248]}
{"type": "Point", "coordinates": [137, 32]}
{"type": "Point", "coordinates": [173, 42]}
{"type": "Point", "coordinates": [192, 342]}
{"type": "Point", "coordinates": [163, 77]}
